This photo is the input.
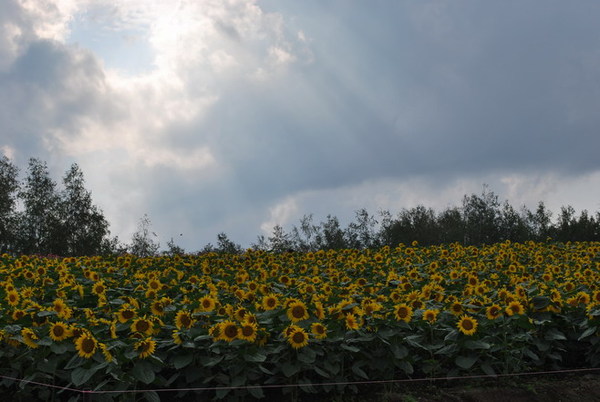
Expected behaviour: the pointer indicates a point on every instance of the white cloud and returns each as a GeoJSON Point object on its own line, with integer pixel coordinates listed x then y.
{"type": "Point", "coordinates": [281, 214]}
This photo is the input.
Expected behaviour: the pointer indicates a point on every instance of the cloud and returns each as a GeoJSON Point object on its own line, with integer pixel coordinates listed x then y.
{"type": "Point", "coordinates": [252, 112]}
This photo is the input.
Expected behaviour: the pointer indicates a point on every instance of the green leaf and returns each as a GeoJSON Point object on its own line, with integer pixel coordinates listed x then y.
{"type": "Point", "coordinates": [256, 392]}
{"type": "Point", "coordinates": [59, 348]}
{"type": "Point", "coordinates": [238, 380]}
{"type": "Point", "coordinates": [540, 302]}
{"type": "Point", "coordinates": [414, 341]}
{"type": "Point", "coordinates": [474, 345]}
{"type": "Point", "coordinates": [265, 370]}
{"type": "Point", "coordinates": [307, 355]}
{"type": "Point", "coordinates": [142, 371]}
{"type": "Point", "coordinates": [333, 368]}
{"type": "Point", "coordinates": [465, 362]}
{"type": "Point", "coordinates": [399, 351]}
{"type": "Point", "coordinates": [404, 366]}
{"type": "Point", "coordinates": [45, 342]}
{"type": "Point", "coordinates": [182, 361]}
{"type": "Point", "coordinates": [222, 393]}
{"type": "Point", "coordinates": [75, 361]}
{"type": "Point", "coordinates": [81, 375]}
{"type": "Point", "coordinates": [289, 369]}
{"type": "Point", "coordinates": [359, 372]}
{"type": "Point", "coordinates": [486, 368]}
{"type": "Point", "coordinates": [386, 333]}
{"type": "Point", "coordinates": [211, 361]}
{"type": "Point", "coordinates": [452, 335]}
{"type": "Point", "coordinates": [321, 372]}
{"type": "Point", "coordinates": [555, 335]}
{"type": "Point", "coordinates": [306, 386]}
{"type": "Point", "coordinates": [350, 348]}
{"type": "Point", "coordinates": [45, 313]}
{"type": "Point", "coordinates": [151, 396]}
{"type": "Point", "coordinates": [255, 357]}
{"type": "Point", "coordinates": [447, 350]}
{"type": "Point", "coordinates": [529, 352]}
{"type": "Point", "coordinates": [587, 332]}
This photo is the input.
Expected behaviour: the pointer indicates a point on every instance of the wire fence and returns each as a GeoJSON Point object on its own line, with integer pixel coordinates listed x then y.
{"type": "Point", "coordinates": [87, 393]}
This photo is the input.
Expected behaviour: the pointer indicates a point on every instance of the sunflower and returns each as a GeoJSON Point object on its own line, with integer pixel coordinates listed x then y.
{"type": "Point", "coordinates": [240, 313]}
{"type": "Point", "coordinates": [13, 297]}
{"type": "Point", "coordinates": [145, 347]}
{"type": "Point", "coordinates": [297, 311]}
{"type": "Point", "coordinates": [270, 302]}
{"type": "Point", "coordinates": [229, 331]}
{"type": "Point", "coordinates": [403, 312]}
{"type": "Point", "coordinates": [319, 310]}
{"type": "Point", "coordinates": [154, 284]}
{"type": "Point", "coordinates": [112, 327]}
{"type": "Point", "coordinates": [514, 307]}
{"type": "Point", "coordinates": [98, 288]}
{"type": "Point", "coordinates": [352, 322]}
{"type": "Point", "coordinates": [29, 338]}
{"type": "Point", "coordinates": [142, 325]}
{"type": "Point", "coordinates": [176, 336]}
{"type": "Point", "coordinates": [318, 330]}
{"type": "Point", "coordinates": [456, 308]}
{"type": "Point", "coordinates": [298, 338]}
{"type": "Point", "coordinates": [430, 315]}
{"type": "Point", "coordinates": [248, 331]}
{"type": "Point", "coordinates": [62, 310]}
{"type": "Point", "coordinates": [183, 319]}
{"type": "Point", "coordinates": [105, 352]}
{"type": "Point", "coordinates": [492, 312]}
{"type": "Point", "coordinates": [158, 308]}
{"type": "Point", "coordinates": [18, 314]}
{"type": "Point", "coordinates": [86, 345]}
{"type": "Point", "coordinates": [59, 331]}
{"type": "Point", "coordinates": [207, 303]}
{"type": "Point", "coordinates": [467, 325]}
{"type": "Point", "coordinates": [125, 314]}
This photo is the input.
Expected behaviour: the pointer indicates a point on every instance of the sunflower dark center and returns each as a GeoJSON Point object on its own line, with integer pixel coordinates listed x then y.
{"type": "Point", "coordinates": [298, 311]}
{"type": "Point", "coordinates": [88, 345]}
{"type": "Point", "coordinates": [58, 330]}
{"type": "Point", "coordinates": [230, 331]}
{"type": "Point", "coordinates": [298, 337]}
{"type": "Point", "coordinates": [142, 326]}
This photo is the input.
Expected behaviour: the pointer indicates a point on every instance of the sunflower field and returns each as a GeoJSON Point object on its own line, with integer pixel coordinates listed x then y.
{"type": "Point", "coordinates": [254, 324]}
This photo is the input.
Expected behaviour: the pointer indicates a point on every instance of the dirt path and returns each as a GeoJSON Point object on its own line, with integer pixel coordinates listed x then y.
{"type": "Point", "coordinates": [570, 388]}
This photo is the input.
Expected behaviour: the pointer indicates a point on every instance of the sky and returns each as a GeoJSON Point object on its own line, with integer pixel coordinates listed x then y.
{"type": "Point", "coordinates": [237, 115]}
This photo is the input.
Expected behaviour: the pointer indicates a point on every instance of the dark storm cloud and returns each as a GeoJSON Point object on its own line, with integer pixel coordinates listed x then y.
{"type": "Point", "coordinates": [432, 88]}
{"type": "Point", "coordinates": [348, 96]}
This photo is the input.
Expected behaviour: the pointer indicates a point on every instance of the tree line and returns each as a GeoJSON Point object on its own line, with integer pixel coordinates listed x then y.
{"type": "Point", "coordinates": [481, 219]}
{"type": "Point", "coordinates": [38, 217]}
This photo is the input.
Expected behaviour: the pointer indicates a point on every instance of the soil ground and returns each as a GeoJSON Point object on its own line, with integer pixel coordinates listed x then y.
{"type": "Point", "coordinates": [547, 388]}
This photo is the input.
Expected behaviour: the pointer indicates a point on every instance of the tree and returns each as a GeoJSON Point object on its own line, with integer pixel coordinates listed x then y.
{"type": "Point", "coordinates": [481, 215]}
{"type": "Point", "coordinates": [39, 222]}
{"type": "Point", "coordinates": [331, 236]}
{"type": "Point", "coordinates": [279, 241]}
{"type": "Point", "coordinates": [304, 238]}
{"type": "Point", "coordinates": [84, 226]}
{"type": "Point", "coordinates": [513, 226]}
{"type": "Point", "coordinates": [225, 245]}
{"type": "Point", "coordinates": [142, 243]}
{"type": "Point", "coordinates": [451, 226]}
{"type": "Point", "coordinates": [362, 234]}
{"type": "Point", "coordinates": [9, 187]}
{"type": "Point", "coordinates": [539, 223]}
